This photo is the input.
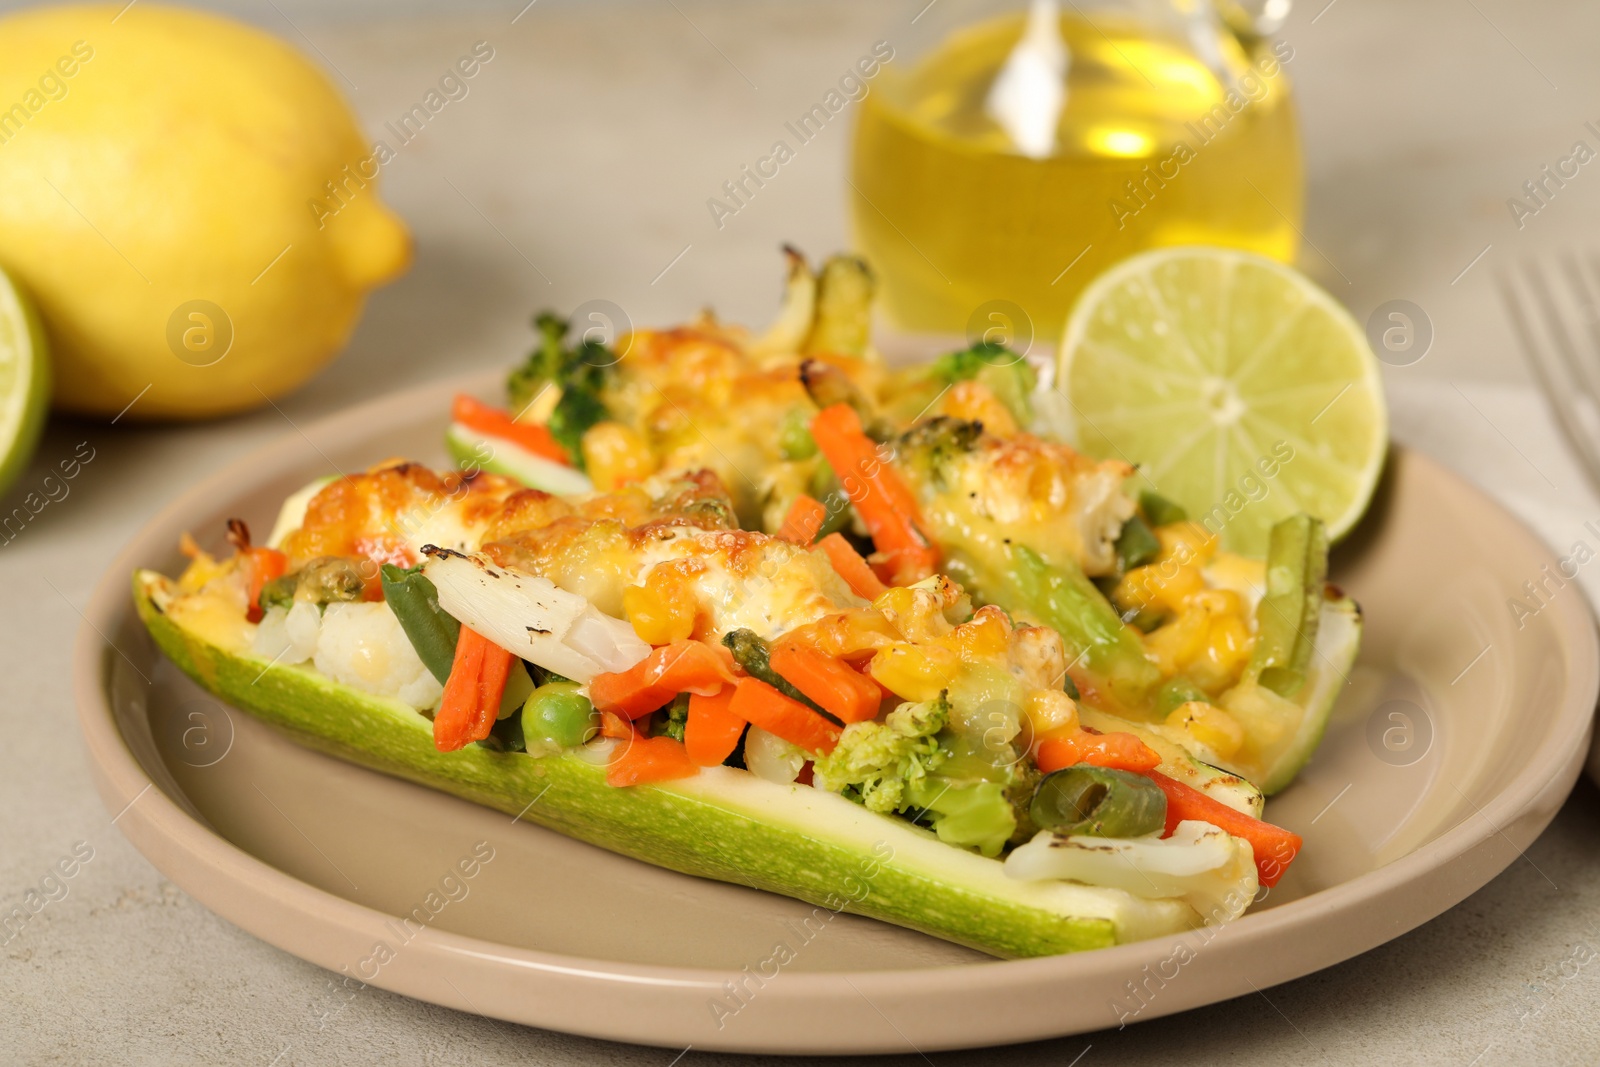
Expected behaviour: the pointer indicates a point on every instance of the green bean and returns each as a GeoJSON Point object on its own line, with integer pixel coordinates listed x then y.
{"type": "Point", "coordinates": [1099, 802]}
{"type": "Point", "coordinates": [1136, 545]}
{"type": "Point", "coordinates": [1286, 618]}
{"type": "Point", "coordinates": [843, 319]}
{"type": "Point", "coordinates": [1159, 511]}
{"type": "Point", "coordinates": [559, 714]}
{"type": "Point", "coordinates": [415, 602]}
{"type": "Point", "coordinates": [751, 653]}
{"type": "Point", "coordinates": [1177, 692]}
{"type": "Point", "coordinates": [1063, 598]}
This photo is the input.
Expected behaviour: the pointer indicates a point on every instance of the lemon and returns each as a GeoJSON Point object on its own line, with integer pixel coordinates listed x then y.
{"type": "Point", "coordinates": [24, 381]}
{"type": "Point", "coordinates": [1242, 390]}
{"type": "Point", "coordinates": [164, 197]}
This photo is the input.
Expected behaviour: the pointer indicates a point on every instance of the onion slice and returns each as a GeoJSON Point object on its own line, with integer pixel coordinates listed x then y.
{"type": "Point", "coordinates": [1200, 864]}
{"type": "Point", "coordinates": [531, 617]}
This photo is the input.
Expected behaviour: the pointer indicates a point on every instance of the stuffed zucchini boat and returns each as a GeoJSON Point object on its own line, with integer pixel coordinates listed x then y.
{"type": "Point", "coordinates": [631, 668]}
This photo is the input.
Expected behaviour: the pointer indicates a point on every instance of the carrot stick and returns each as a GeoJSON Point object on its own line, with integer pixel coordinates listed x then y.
{"type": "Point", "coordinates": [1275, 847]}
{"type": "Point", "coordinates": [265, 564]}
{"type": "Point", "coordinates": [804, 521]}
{"type": "Point", "coordinates": [712, 732]}
{"type": "Point", "coordinates": [839, 689]}
{"type": "Point", "coordinates": [1122, 751]}
{"type": "Point", "coordinates": [476, 415]}
{"type": "Point", "coordinates": [852, 568]}
{"type": "Point", "coordinates": [881, 497]}
{"type": "Point", "coordinates": [472, 695]}
{"type": "Point", "coordinates": [650, 759]}
{"type": "Point", "coordinates": [616, 727]}
{"type": "Point", "coordinates": [758, 704]}
{"type": "Point", "coordinates": [681, 667]}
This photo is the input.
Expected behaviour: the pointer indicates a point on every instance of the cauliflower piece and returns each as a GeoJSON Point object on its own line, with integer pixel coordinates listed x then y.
{"type": "Point", "coordinates": [362, 645]}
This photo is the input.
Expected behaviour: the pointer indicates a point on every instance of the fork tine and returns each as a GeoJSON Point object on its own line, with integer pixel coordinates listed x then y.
{"type": "Point", "coordinates": [1554, 370]}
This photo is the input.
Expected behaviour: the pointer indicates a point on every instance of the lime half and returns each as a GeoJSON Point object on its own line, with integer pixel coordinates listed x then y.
{"type": "Point", "coordinates": [24, 381]}
{"type": "Point", "coordinates": [1241, 389]}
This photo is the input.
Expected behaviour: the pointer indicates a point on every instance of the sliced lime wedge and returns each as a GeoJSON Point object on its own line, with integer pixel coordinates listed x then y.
{"type": "Point", "coordinates": [1241, 389]}
{"type": "Point", "coordinates": [24, 381]}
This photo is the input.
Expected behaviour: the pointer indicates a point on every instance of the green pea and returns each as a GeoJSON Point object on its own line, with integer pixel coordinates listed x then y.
{"type": "Point", "coordinates": [557, 713]}
{"type": "Point", "coordinates": [794, 436]}
{"type": "Point", "coordinates": [1099, 802]}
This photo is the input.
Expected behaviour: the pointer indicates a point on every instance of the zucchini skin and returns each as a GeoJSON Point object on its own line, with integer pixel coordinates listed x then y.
{"type": "Point", "coordinates": [686, 830]}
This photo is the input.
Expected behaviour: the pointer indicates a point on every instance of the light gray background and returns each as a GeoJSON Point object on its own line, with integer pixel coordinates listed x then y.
{"type": "Point", "coordinates": [592, 141]}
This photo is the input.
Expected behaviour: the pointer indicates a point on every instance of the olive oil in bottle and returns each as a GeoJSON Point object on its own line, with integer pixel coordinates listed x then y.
{"type": "Point", "coordinates": [1154, 144]}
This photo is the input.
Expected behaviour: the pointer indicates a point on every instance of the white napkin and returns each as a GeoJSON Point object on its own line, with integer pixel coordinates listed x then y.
{"type": "Point", "coordinates": [1504, 439]}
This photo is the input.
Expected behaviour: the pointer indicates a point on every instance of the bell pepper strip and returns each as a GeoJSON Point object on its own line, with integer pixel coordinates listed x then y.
{"type": "Point", "coordinates": [1120, 751]}
{"type": "Point", "coordinates": [1275, 848]}
{"type": "Point", "coordinates": [836, 687]}
{"type": "Point", "coordinates": [490, 421]}
{"type": "Point", "coordinates": [804, 521]}
{"type": "Point", "coordinates": [649, 759]}
{"type": "Point", "coordinates": [681, 667]}
{"type": "Point", "coordinates": [881, 497]}
{"type": "Point", "coordinates": [758, 704]}
{"type": "Point", "coordinates": [264, 565]}
{"type": "Point", "coordinates": [712, 732]}
{"type": "Point", "coordinates": [852, 568]}
{"type": "Point", "coordinates": [472, 695]}
{"type": "Point", "coordinates": [432, 631]}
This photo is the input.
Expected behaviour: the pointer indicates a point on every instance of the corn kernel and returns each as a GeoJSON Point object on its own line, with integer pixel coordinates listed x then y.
{"type": "Point", "coordinates": [1186, 542]}
{"type": "Point", "coordinates": [985, 636]}
{"type": "Point", "coordinates": [1177, 643]}
{"type": "Point", "coordinates": [663, 609]}
{"type": "Point", "coordinates": [917, 611]}
{"type": "Point", "coordinates": [852, 634]}
{"type": "Point", "coordinates": [1050, 711]}
{"type": "Point", "coordinates": [915, 672]}
{"type": "Point", "coordinates": [616, 454]}
{"type": "Point", "coordinates": [1210, 726]}
{"type": "Point", "coordinates": [201, 572]}
{"type": "Point", "coordinates": [1163, 585]}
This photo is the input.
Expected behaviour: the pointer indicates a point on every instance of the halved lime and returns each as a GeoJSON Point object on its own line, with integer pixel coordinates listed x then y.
{"type": "Point", "coordinates": [1241, 389]}
{"type": "Point", "coordinates": [24, 381]}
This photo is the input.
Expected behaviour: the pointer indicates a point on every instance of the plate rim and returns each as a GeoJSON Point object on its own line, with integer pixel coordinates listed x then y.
{"type": "Point", "coordinates": [173, 840]}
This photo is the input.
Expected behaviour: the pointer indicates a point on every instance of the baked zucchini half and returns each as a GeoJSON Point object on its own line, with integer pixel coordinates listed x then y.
{"type": "Point", "coordinates": [724, 823]}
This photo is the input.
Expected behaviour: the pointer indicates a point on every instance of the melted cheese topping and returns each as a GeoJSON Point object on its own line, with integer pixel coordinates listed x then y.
{"type": "Point", "coordinates": [1057, 501]}
{"type": "Point", "coordinates": [594, 546]}
{"type": "Point", "coordinates": [742, 579]}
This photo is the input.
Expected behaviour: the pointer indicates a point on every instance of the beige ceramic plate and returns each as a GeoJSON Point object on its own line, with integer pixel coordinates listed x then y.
{"type": "Point", "coordinates": [1458, 738]}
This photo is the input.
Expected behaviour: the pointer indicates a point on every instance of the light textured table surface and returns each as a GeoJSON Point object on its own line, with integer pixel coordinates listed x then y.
{"type": "Point", "coordinates": [581, 163]}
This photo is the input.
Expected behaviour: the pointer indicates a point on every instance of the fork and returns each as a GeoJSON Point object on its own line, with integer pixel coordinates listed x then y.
{"type": "Point", "coordinates": [1558, 327]}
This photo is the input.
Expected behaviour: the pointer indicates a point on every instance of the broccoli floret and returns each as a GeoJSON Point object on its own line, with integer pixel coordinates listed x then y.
{"type": "Point", "coordinates": [581, 372]}
{"type": "Point", "coordinates": [895, 766]}
{"type": "Point", "coordinates": [874, 761]}
{"type": "Point", "coordinates": [1006, 374]}
{"type": "Point", "coordinates": [933, 445]}
{"type": "Point", "coordinates": [670, 721]}
{"type": "Point", "coordinates": [966, 814]}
